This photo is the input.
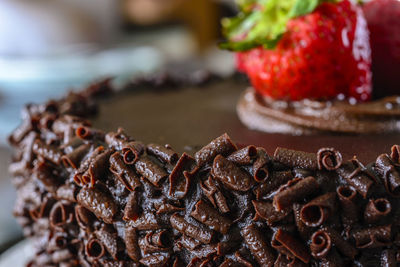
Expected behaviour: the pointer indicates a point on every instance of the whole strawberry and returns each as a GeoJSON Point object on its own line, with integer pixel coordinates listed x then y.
{"type": "Point", "coordinates": [297, 49]}
{"type": "Point", "coordinates": [383, 17]}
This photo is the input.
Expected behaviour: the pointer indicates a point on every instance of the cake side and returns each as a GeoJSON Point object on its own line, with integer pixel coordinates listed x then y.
{"type": "Point", "coordinates": [90, 198]}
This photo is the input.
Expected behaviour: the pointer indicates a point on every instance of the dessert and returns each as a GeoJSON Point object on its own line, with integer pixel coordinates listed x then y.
{"type": "Point", "coordinates": [309, 64]}
{"type": "Point", "coordinates": [93, 198]}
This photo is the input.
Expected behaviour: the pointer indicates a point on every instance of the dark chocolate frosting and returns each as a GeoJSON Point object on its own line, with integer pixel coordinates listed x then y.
{"type": "Point", "coordinates": [307, 116]}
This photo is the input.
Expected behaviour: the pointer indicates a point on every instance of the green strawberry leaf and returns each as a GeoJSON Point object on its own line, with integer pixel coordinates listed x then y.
{"type": "Point", "coordinates": [263, 22]}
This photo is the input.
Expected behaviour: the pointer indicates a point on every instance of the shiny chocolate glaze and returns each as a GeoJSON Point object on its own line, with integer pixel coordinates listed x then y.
{"type": "Point", "coordinates": [190, 116]}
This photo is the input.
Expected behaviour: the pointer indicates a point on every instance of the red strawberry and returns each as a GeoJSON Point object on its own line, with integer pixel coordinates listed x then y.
{"type": "Point", "coordinates": [321, 55]}
{"type": "Point", "coordinates": [383, 17]}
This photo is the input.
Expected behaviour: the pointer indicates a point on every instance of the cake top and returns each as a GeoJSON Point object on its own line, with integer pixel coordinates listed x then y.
{"type": "Point", "coordinates": [88, 197]}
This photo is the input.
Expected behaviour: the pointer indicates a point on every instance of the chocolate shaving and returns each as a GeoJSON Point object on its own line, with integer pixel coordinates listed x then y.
{"type": "Point", "coordinates": [295, 190]}
{"type": "Point", "coordinates": [329, 159]}
{"type": "Point", "coordinates": [244, 156]}
{"type": "Point", "coordinates": [150, 170]}
{"type": "Point", "coordinates": [132, 151]}
{"type": "Point", "coordinates": [318, 210]}
{"type": "Point", "coordinates": [214, 195]}
{"type": "Point", "coordinates": [98, 202]}
{"type": "Point", "coordinates": [222, 145]}
{"type": "Point", "coordinates": [391, 177]}
{"type": "Point", "coordinates": [179, 179]}
{"type": "Point", "coordinates": [294, 158]}
{"type": "Point", "coordinates": [356, 176]}
{"type": "Point", "coordinates": [257, 245]}
{"type": "Point", "coordinates": [207, 215]}
{"type": "Point", "coordinates": [231, 175]}
{"type": "Point", "coordinates": [166, 154]}
{"type": "Point", "coordinates": [124, 173]}
{"type": "Point", "coordinates": [180, 224]}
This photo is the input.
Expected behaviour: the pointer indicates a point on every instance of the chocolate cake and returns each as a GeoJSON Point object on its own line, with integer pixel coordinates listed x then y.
{"type": "Point", "coordinates": [91, 197]}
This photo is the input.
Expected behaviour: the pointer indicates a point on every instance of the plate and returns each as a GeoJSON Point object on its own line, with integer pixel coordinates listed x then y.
{"type": "Point", "coordinates": [18, 255]}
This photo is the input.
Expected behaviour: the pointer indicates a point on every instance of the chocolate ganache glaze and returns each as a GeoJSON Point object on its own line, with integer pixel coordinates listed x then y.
{"type": "Point", "coordinates": [94, 198]}
{"type": "Point", "coordinates": [307, 116]}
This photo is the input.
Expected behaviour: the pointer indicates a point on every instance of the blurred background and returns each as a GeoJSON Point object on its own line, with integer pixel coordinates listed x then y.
{"type": "Point", "coordinates": [50, 46]}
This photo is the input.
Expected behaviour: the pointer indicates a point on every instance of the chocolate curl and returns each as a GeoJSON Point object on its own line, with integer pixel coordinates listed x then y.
{"type": "Point", "coordinates": [207, 215]}
{"type": "Point", "coordinates": [273, 183]}
{"type": "Point", "coordinates": [289, 245]}
{"type": "Point", "coordinates": [266, 211]}
{"type": "Point", "coordinates": [28, 124]}
{"type": "Point", "coordinates": [94, 248]}
{"type": "Point", "coordinates": [178, 263]}
{"type": "Point", "coordinates": [294, 158]}
{"type": "Point", "coordinates": [73, 159]}
{"type": "Point", "coordinates": [395, 155]}
{"type": "Point", "coordinates": [150, 170]}
{"type": "Point", "coordinates": [58, 241]}
{"type": "Point", "coordinates": [373, 237]}
{"type": "Point", "coordinates": [43, 172]}
{"type": "Point", "coordinates": [348, 197]}
{"type": "Point", "coordinates": [67, 192]}
{"type": "Point", "coordinates": [230, 263]}
{"type": "Point", "coordinates": [164, 153]}
{"type": "Point", "coordinates": [388, 258]}
{"type": "Point", "coordinates": [377, 209]}
{"type": "Point", "coordinates": [46, 121]}
{"type": "Point", "coordinates": [261, 251]}
{"type": "Point", "coordinates": [260, 168]}
{"type": "Point", "coordinates": [167, 208]}
{"type": "Point", "coordinates": [117, 139]}
{"type": "Point", "coordinates": [391, 177]}
{"type": "Point", "coordinates": [61, 256]}
{"type": "Point", "coordinates": [124, 173]}
{"type": "Point", "coordinates": [355, 174]}
{"type": "Point", "coordinates": [295, 190]}
{"type": "Point", "coordinates": [329, 159]}
{"type": "Point", "coordinates": [65, 123]}
{"type": "Point", "coordinates": [98, 202]}
{"type": "Point", "coordinates": [321, 244]}
{"type": "Point", "coordinates": [213, 194]}
{"type": "Point", "coordinates": [132, 208]}
{"type": "Point", "coordinates": [318, 210]}
{"type": "Point", "coordinates": [97, 168]}
{"type": "Point", "coordinates": [84, 217]}
{"type": "Point", "coordinates": [155, 260]}
{"type": "Point", "coordinates": [241, 260]}
{"type": "Point", "coordinates": [222, 145]}
{"type": "Point", "coordinates": [285, 261]}
{"type": "Point", "coordinates": [187, 242]}
{"type": "Point", "coordinates": [109, 238]}
{"type": "Point", "coordinates": [132, 243]}
{"type": "Point", "coordinates": [60, 215]}
{"type": "Point", "coordinates": [244, 156]}
{"type": "Point", "coordinates": [132, 151]}
{"type": "Point", "coordinates": [205, 252]}
{"type": "Point", "coordinates": [342, 245]}
{"type": "Point", "coordinates": [179, 179]}
{"type": "Point", "coordinates": [78, 177]}
{"type": "Point", "coordinates": [181, 225]}
{"type": "Point", "coordinates": [304, 231]}
{"type": "Point", "coordinates": [231, 175]}
{"type": "Point", "coordinates": [47, 152]}
{"type": "Point", "coordinates": [146, 221]}
{"type": "Point", "coordinates": [40, 211]}
{"type": "Point", "coordinates": [154, 242]}
{"type": "Point", "coordinates": [87, 133]}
